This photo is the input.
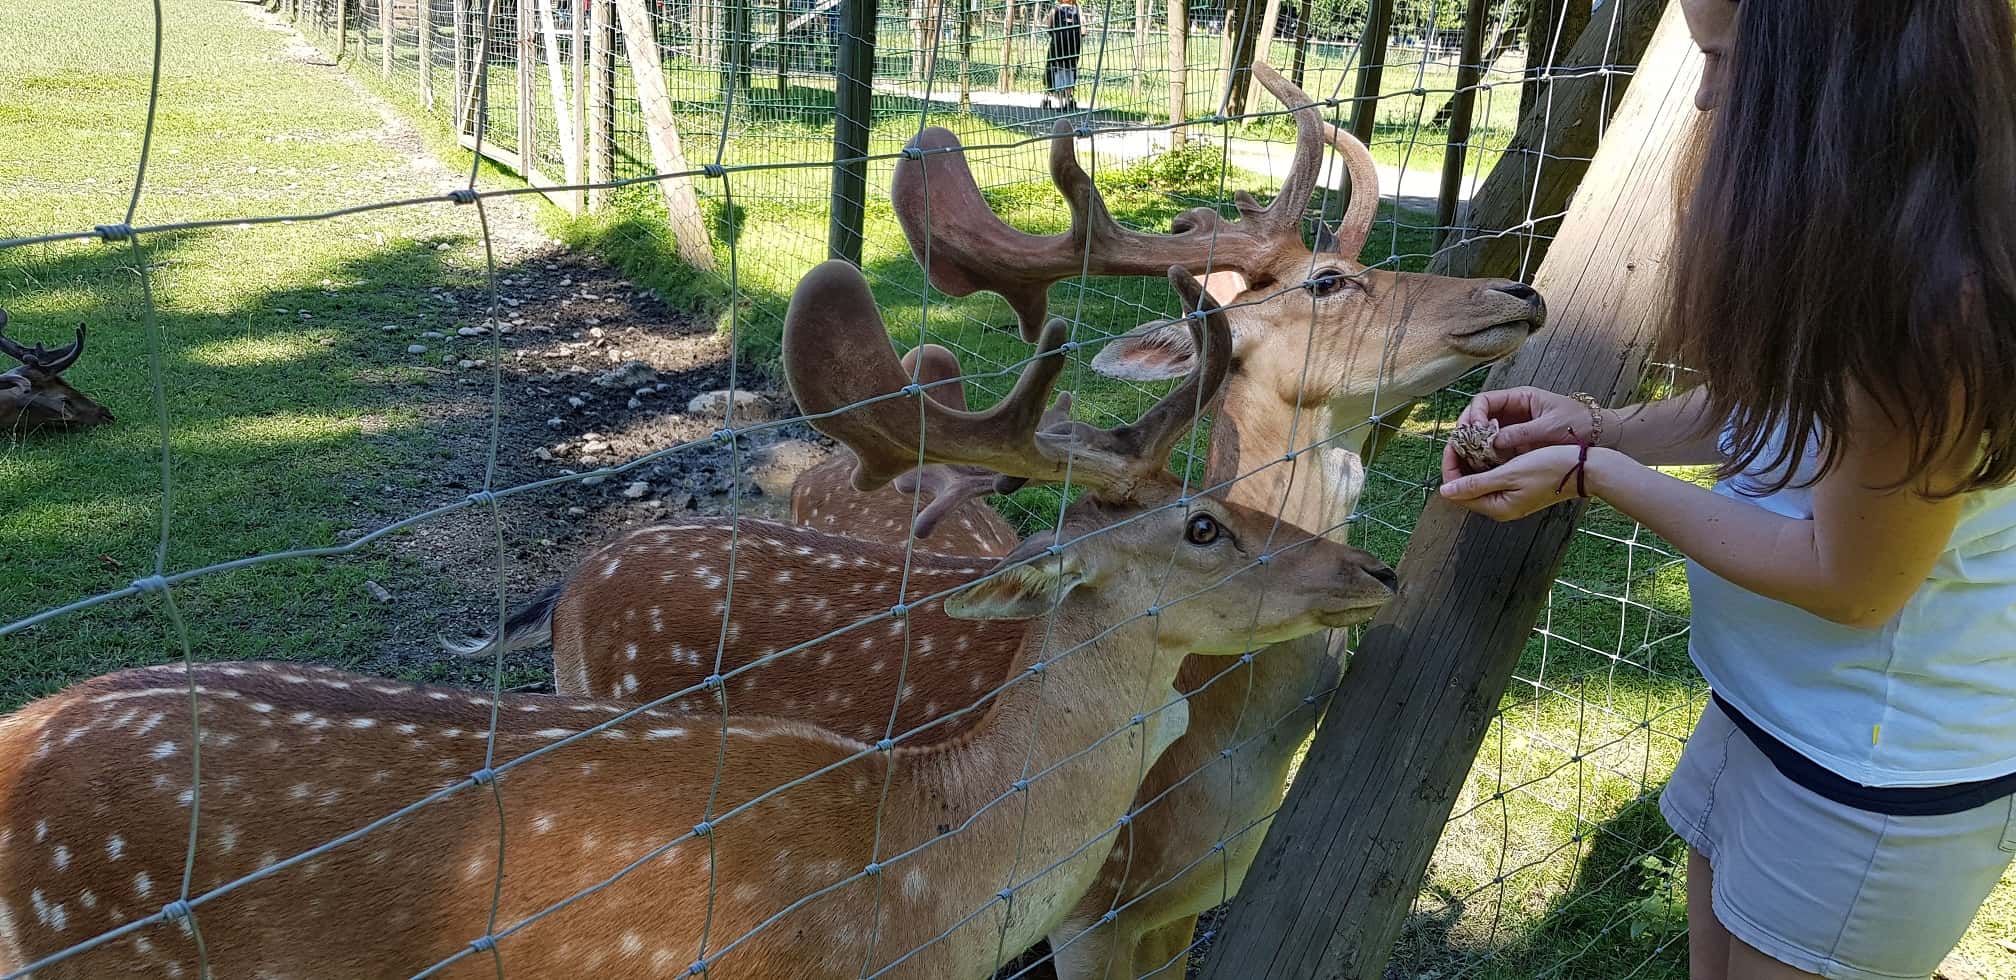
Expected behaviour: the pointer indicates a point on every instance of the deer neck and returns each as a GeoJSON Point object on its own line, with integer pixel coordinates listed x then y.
{"type": "Point", "coordinates": [1252, 433]}
{"type": "Point", "coordinates": [1067, 730]}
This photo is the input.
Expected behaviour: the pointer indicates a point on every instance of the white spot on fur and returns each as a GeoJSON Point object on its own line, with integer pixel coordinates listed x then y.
{"type": "Point", "coordinates": [914, 885]}
{"type": "Point", "coordinates": [60, 857]}
{"type": "Point", "coordinates": [115, 847]}
{"type": "Point", "coordinates": [363, 722]}
{"type": "Point", "coordinates": [143, 886]}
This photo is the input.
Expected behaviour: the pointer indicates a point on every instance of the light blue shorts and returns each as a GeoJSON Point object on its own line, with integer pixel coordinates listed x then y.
{"type": "Point", "coordinates": [1823, 887]}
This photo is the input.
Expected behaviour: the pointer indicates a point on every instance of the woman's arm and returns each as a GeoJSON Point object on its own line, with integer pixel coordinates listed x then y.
{"type": "Point", "coordinates": [1668, 432]}
{"type": "Point", "coordinates": [1857, 562]}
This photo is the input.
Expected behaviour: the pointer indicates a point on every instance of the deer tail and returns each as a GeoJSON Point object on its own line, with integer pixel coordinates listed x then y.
{"type": "Point", "coordinates": [530, 625]}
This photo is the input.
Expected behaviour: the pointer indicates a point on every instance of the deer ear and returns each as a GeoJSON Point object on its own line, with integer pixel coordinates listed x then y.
{"type": "Point", "coordinates": [1158, 350]}
{"type": "Point", "coordinates": [1224, 286]}
{"type": "Point", "coordinates": [1031, 584]}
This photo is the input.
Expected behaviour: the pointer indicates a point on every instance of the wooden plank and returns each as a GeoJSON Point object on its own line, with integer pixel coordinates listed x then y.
{"type": "Point", "coordinates": [682, 207]}
{"type": "Point", "coordinates": [491, 151]}
{"type": "Point", "coordinates": [601, 110]}
{"type": "Point", "coordinates": [557, 89]}
{"type": "Point", "coordinates": [1345, 856]}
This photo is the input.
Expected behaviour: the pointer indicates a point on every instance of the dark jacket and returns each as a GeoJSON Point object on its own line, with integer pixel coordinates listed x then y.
{"type": "Point", "coordinates": [1065, 36]}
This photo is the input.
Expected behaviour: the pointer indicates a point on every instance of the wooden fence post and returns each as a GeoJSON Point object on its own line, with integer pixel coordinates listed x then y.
{"type": "Point", "coordinates": [1464, 104]}
{"type": "Point", "coordinates": [1345, 855]}
{"type": "Point", "coordinates": [601, 109]}
{"type": "Point", "coordinates": [524, 70]}
{"type": "Point", "coordinates": [853, 103]}
{"type": "Point", "coordinates": [342, 28]}
{"type": "Point", "coordinates": [423, 17]}
{"type": "Point", "coordinates": [387, 16]}
{"type": "Point", "coordinates": [682, 207]}
{"type": "Point", "coordinates": [1364, 106]}
{"type": "Point", "coordinates": [577, 50]}
{"type": "Point", "coordinates": [1179, 69]}
{"type": "Point", "coordinates": [1008, 48]}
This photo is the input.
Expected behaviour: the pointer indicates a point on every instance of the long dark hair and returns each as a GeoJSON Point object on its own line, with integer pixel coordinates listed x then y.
{"type": "Point", "coordinates": [1852, 229]}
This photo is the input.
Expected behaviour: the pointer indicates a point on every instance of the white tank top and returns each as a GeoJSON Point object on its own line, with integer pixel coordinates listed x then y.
{"type": "Point", "coordinates": [1927, 699]}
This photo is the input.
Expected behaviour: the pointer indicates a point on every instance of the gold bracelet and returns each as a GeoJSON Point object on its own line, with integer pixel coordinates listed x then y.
{"type": "Point", "coordinates": [1595, 416]}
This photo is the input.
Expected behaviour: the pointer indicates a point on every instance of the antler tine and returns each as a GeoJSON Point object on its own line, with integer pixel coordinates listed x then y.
{"type": "Point", "coordinates": [966, 247]}
{"type": "Point", "coordinates": [1284, 215]}
{"type": "Point", "coordinates": [40, 357]}
{"type": "Point", "coordinates": [1312, 132]}
{"type": "Point", "coordinates": [950, 486]}
{"type": "Point", "coordinates": [8, 346]}
{"type": "Point", "coordinates": [64, 357]}
{"type": "Point", "coordinates": [840, 367]}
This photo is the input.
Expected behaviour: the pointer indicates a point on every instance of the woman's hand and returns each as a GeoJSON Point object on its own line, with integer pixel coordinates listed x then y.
{"type": "Point", "coordinates": [1528, 418]}
{"type": "Point", "coordinates": [1529, 482]}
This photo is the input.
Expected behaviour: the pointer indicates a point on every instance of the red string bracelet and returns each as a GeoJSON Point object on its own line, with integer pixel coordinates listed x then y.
{"type": "Point", "coordinates": [1580, 470]}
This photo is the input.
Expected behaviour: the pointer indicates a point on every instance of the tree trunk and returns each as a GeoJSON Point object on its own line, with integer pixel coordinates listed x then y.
{"type": "Point", "coordinates": [1140, 49]}
{"type": "Point", "coordinates": [1246, 41]}
{"type": "Point", "coordinates": [1523, 182]}
{"type": "Point", "coordinates": [1268, 24]}
{"type": "Point", "coordinates": [1301, 42]}
{"type": "Point", "coordinates": [1552, 26]}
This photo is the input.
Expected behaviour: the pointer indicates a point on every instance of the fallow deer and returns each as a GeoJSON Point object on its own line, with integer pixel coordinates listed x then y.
{"type": "Point", "coordinates": [1311, 364]}
{"type": "Point", "coordinates": [810, 854]}
{"type": "Point", "coordinates": [35, 395]}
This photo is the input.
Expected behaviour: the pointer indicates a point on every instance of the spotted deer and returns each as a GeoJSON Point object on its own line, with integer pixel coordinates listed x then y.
{"type": "Point", "coordinates": [810, 853]}
{"type": "Point", "coordinates": [1321, 344]}
{"type": "Point", "coordinates": [35, 395]}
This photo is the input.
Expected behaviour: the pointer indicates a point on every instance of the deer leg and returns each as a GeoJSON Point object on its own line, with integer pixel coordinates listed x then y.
{"type": "Point", "coordinates": [1164, 951]}
{"type": "Point", "coordinates": [1094, 952]}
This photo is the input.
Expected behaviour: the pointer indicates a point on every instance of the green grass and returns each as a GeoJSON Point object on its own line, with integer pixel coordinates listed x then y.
{"type": "Point", "coordinates": [282, 393]}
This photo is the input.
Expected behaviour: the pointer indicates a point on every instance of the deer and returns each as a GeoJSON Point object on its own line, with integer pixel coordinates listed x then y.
{"type": "Point", "coordinates": [612, 838]}
{"type": "Point", "coordinates": [1367, 334]}
{"type": "Point", "coordinates": [35, 395]}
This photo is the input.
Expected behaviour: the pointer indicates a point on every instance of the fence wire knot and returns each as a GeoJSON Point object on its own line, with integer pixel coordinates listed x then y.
{"type": "Point", "coordinates": [698, 967]}
{"type": "Point", "coordinates": [482, 497]}
{"type": "Point", "coordinates": [484, 776]}
{"type": "Point", "coordinates": [913, 153]}
{"type": "Point", "coordinates": [114, 233]}
{"type": "Point", "coordinates": [483, 944]}
{"type": "Point", "coordinates": [899, 610]}
{"type": "Point", "coordinates": [1110, 915]}
{"type": "Point", "coordinates": [1139, 719]}
{"type": "Point", "coordinates": [886, 745]}
{"type": "Point", "coordinates": [872, 869]}
{"type": "Point", "coordinates": [151, 584]}
{"type": "Point", "coordinates": [703, 828]}
{"type": "Point", "coordinates": [714, 170]}
{"type": "Point", "coordinates": [714, 682]}
{"type": "Point", "coordinates": [1019, 786]}
{"type": "Point", "coordinates": [177, 911]}
{"type": "Point", "coordinates": [463, 195]}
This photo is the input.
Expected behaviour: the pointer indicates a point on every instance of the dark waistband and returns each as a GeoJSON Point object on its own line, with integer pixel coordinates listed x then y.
{"type": "Point", "coordinates": [1896, 801]}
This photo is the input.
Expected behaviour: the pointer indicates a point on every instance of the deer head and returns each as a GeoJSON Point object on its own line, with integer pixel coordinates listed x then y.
{"type": "Point", "coordinates": [1309, 328]}
{"type": "Point", "coordinates": [35, 395]}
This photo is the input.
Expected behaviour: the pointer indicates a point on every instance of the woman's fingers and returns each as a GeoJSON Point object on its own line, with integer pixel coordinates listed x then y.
{"type": "Point", "coordinates": [1524, 437]}
{"type": "Point", "coordinates": [1476, 485]}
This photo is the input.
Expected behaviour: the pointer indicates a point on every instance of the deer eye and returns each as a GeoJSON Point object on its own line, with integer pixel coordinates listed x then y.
{"type": "Point", "coordinates": [1203, 529]}
{"type": "Point", "coordinates": [1328, 281]}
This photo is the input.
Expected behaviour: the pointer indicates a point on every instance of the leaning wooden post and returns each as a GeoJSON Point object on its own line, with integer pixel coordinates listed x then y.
{"type": "Point", "coordinates": [1364, 105]}
{"type": "Point", "coordinates": [1345, 855]}
{"type": "Point", "coordinates": [682, 207]}
{"type": "Point", "coordinates": [601, 109]}
{"type": "Point", "coordinates": [526, 71]}
{"type": "Point", "coordinates": [853, 81]}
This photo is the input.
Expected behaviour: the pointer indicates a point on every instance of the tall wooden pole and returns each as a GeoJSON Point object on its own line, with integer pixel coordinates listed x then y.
{"type": "Point", "coordinates": [682, 207]}
{"type": "Point", "coordinates": [1469, 71]}
{"type": "Point", "coordinates": [1179, 43]}
{"type": "Point", "coordinates": [423, 18]}
{"type": "Point", "coordinates": [853, 96]}
{"type": "Point", "coordinates": [1344, 858]}
{"type": "Point", "coordinates": [601, 109]}
{"type": "Point", "coordinates": [387, 15]}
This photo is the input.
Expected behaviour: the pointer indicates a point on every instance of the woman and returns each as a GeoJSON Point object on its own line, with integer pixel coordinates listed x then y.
{"type": "Point", "coordinates": [1845, 283]}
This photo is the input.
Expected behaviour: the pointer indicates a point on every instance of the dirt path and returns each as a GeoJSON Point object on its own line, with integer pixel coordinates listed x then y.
{"type": "Point", "coordinates": [596, 372]}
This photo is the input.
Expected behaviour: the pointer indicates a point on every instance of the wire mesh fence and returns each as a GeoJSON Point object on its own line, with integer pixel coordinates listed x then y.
{"type": "Point", "coordinates": [1554, 863]}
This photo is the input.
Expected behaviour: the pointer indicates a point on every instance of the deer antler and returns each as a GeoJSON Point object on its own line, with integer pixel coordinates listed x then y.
{"type": "Point", "coordinates": [40, 358]}
{"type": "Point", "coordinates": [841, 370]}
{"type": "Point", "coordinates": [966, 247]}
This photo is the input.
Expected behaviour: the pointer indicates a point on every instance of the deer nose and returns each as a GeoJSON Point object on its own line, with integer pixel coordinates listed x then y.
{"type": "Point", "coordinates": [1518, 291]}
{"type": "Point", "coordinates": [1386, 576]}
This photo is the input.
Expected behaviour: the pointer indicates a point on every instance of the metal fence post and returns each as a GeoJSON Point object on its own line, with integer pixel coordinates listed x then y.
{"type": "Point", "coordinates": [853, 101]}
